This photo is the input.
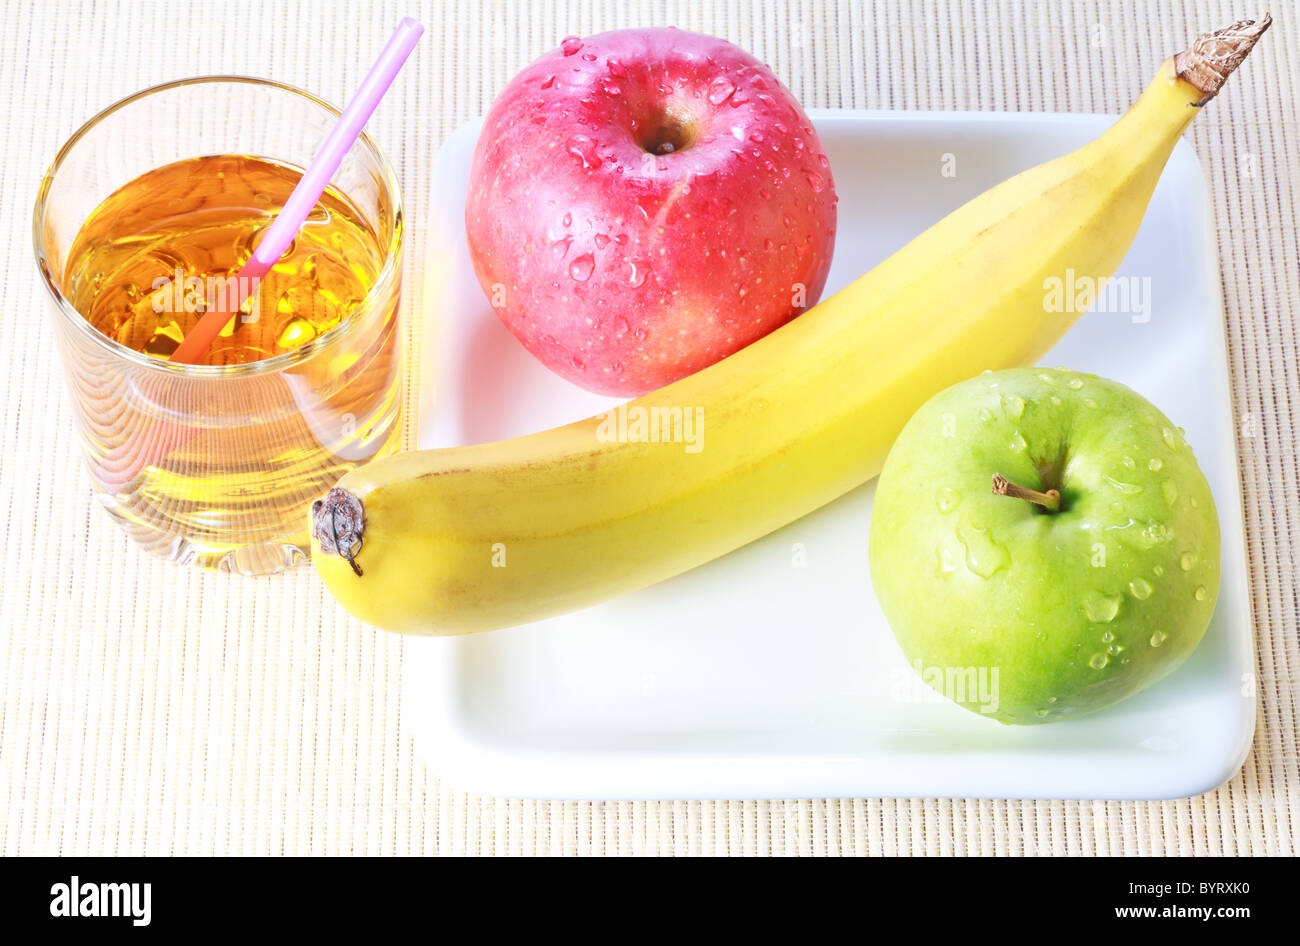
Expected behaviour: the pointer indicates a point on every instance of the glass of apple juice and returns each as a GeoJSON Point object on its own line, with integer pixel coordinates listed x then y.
{"type": "Point", "coordinates": [141, 225]}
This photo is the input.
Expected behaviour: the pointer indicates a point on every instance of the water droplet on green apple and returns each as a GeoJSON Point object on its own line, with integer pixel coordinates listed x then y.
{"type": "Point", "coordinates": [1129, 463]}
{"type": "Point", "coordinates": [1158, 638]}
{"type": "Point", "coordinates": [1140, 588]}
{"type": "Point", "coordinates": [1115, 649]}
{"type": "Point", "coordinates": [1157, 570]}
{"type": "Point", "coordinates": [1074, 384]}
{"type": "Point", "coordinates": [1100, 607]}
{"type": "Point", "coordinates": [1201, 594]}
{"type": "Point", "coordinates": [1018, 443]}
{"type": "Point", "coordinates": [1013, 406]}
{"type": "Point", "coordinates": [1107, 637]}
{"type": "Point", "coordinates": [947, 499]}
{"type": "Point", "coordinates": [1098, 661]}
{"type": "Point", "coordinates": [1170, 489]}
{"type": "Point", "coordinates": [946, 566]}
{"type": "Point", "coordinates": [984, 557]}
{"type": "Point", "coordinates": [1154, 464]}
{"type": "Point", "coordinates": [1170, 438]}
{"type": "Point", "coordinates": [1046, 378]}
{"type": "Point", "coordinates": [1040, 713]}
{"type": "Point", "coordinates": [1126, 488]}
{"type": "Point", "coordinates": [1186, 561]}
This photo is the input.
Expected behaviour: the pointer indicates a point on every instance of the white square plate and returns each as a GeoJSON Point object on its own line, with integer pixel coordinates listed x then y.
{"type": "Point", "coordinates": [753, 678]}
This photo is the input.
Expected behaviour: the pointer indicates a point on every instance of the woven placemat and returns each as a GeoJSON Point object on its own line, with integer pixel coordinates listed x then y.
{"type": "Point", "coordinates": [147, 708]}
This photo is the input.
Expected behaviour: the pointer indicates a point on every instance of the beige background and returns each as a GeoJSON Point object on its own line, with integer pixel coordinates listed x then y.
{"type": "Point", "coordinates": [148, 708]}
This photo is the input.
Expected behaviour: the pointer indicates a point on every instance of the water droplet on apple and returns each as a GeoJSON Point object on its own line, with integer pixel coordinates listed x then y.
{"type": "Point", "coordinates": [568, 220]}
{"type": "Point", "coordinates": [1127, 488]}
{"type": "Point", "coordinates": [637, 274]}
{"type": "Point", "coordinates": [1107, 637]}
{"type": "Point", "coordinates": [984, 557]}
{"type": "Point", "coordinates": [1018, 443]}
{"type": "Point", "coordinates": [1046, 379]}
{"type": "Point", "coordinates": [1140, 588]}
{"type": "Point", "coordinates": [1101, 608]}
{"type": "Point", "coordinates": [1170, 438]}
{"type": "Point", "coordinates": [1089, 402]}
{"type": "Point", "coordinates": [581, 268]}
{"type": "Point", "coordinates": [611, 87]}
{"type": "Point", "coordinates": [1153, 534]}
{"type": "Point", "coordinates": [548, 82]}
{"type": "Point", "coordinates": [1154, 464]}
{"type": "Point", "coordinates": [1158, 638]}
{"type": "Point", "coordinates": [815, 181]}
{"type": "Point", "coordinates": [947, 499]}
{"type": "Point", "coordinates": [1170, 489]}
{"type": "Point", "coordinates": [1040, 713]}
{"type": "Point", "coordinates": [579, 363]}
{"type": "Point", "coordinates": [1157, 570]}
{"type": "Point", "coordinates": [1074, 384]}
{"type": "Point", "coordinates": [1129, 463]}
{"type": "Point", "coordinates": [1200, 594]}
{"type": "Point", "coordinates": [561, 247]}
{"type": "Point", "coordinates": [1098, 661]}
{"type": "Point", "coordinates": [720, 89]}
{"type": "Point", "coordinates": [570, 45]}
{"type": "Point", "coordinates": [615, 67]}
{"type": "Point", "coordinates": [600, 240]}
{"type": "Point", "coordinates": [1187, 561]}
{"type": "Point", "coordinates": [1013, 406]}
{"type": "Point", "coordinates": [584, 148]}
{"type": "Point", "coordinates": [946, 566]}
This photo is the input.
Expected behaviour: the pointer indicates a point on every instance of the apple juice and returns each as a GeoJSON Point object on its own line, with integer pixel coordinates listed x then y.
{"type": "Point", "coordinates": [142, 267]}
{"type": "Point", "coordinates": [230, 459]}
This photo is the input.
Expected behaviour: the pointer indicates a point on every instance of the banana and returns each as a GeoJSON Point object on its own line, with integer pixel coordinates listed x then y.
{"type": "Point", "coordinates": [492, 535]}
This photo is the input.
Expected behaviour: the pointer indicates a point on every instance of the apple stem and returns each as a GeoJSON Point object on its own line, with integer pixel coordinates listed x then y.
{"type": "Point", "coordinates": [1050, 500]}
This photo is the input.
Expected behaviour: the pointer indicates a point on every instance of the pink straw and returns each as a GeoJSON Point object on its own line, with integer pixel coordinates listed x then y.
{"type": "Point", "coordinates": [157, 440]}
{"type": "Point", "coordinates": [287, 223]}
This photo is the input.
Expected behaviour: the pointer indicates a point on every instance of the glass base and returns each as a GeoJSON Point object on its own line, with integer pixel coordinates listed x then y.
{"type": "Point", "coordinates": [253, 558]}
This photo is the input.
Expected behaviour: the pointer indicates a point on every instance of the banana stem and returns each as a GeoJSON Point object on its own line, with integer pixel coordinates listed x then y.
{"type": "Point", "coordinates": [1213, 56]}
{"type": "Point", "coordinates": [1050, 500]}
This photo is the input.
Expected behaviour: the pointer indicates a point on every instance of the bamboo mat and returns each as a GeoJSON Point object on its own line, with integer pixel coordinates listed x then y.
{"type": "Point", "coordinates": [147, 708]}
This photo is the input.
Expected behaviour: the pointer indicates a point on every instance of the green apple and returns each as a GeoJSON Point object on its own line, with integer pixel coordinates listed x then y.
{"type": "Point", "coordinates": [1051, 531]}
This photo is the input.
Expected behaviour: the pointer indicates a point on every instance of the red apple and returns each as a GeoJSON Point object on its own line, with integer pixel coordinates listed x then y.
{"type": "Point", "coordinates": [645, 202]}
